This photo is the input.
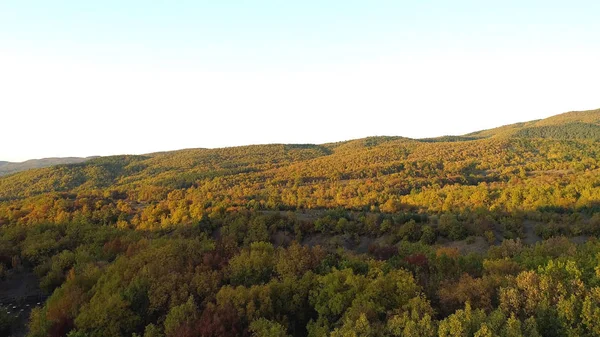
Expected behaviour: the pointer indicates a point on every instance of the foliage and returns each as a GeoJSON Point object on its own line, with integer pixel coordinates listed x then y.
{"type": "Point", "coordinates": [368, 237]}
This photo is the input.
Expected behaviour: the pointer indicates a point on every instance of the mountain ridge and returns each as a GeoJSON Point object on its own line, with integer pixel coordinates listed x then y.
{"type": "Point", "coordinates": [582, 125]}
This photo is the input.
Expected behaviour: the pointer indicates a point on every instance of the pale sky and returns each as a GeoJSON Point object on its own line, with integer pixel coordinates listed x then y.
{"type": "Point", "coordinates": [82, 78]}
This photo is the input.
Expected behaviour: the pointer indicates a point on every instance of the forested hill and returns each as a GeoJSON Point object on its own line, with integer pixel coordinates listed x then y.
{"type": "Point", "coordinates": [487, 234]}
{"type": "Point", "coordinates": [569, 125]}
{"type": "Point", "coordinates": [185, 168]}
{"type": "Point", "coordinates": [378, 173]}
{"type": "Point", "coordinates": [9, 167]}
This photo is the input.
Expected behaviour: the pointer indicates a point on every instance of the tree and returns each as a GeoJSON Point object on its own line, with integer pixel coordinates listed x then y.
{"type": "Point", "coordinates": [265, 328]}
{"type": "Point", "coordinates": [360, 327]}
{"type": "Point", "coordinates": [484, 331]}
{"type": "Point", "coordinates": [335, 293]}
{"type": "Point", "coordinates": [296, 260]}
{"type": "Point", "coordinates": [152, 330]}
{"type": "Point", "coordinates": [221, 321]}
{"type": "Point", "coordinates": [464, 322]}
{"type": "Point", "coordinates": [252, 266]}
{"type": "Point", "coordinates": [428, 235]}
{"type": "Point", "coordinates": [181, 320]}
{"type": "Point", "coordinates": [513, 327]}
{"type": "Point", "coordinates": [415, 319]}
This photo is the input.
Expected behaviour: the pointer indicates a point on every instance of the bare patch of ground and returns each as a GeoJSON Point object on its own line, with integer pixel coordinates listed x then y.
{"type": "Point", "coordinates": [282, 238]}
{"type": "Point", "coordinates": [302, 215]}
{"type": "Point", "coordinates": [529, 230]}
{"type": "Point", "coordinates": [19, 293]}
{"type": "Point", "coordinates": [479, 246]}
{"type": "Point", "coordinates": [580, 239]}
{"type": "Point", "coordinates": [335, 241]}
{"type": "Point", "coordinates": [317, 240]}
{"type": "Point", "coordinates": [363, 246]}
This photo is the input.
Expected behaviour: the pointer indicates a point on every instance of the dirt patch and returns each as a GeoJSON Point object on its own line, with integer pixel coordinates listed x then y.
{"type": "Point", "coordinates": [309, 215]}
{"type": "Point", "coordinates": [366, 242]}
{"type": "Point", "coordinates": [282, 238]}
{"type": "Point", "coordinates": [479, 246]}
{"type": "Point", "coordinates": [19, 293]}
{"type": "Point", "coordinates": [581, 239]}
{"type": "Point", "coordinates": [360, 246]}
{"type": "Point", "coordinates": [529, 230]}
{"type": "Point", "coordinates": [363, 246]}
{"type": "Point", "coordinates": [317, 240]}
{"type": "Point", "coordinates": [332, 242]}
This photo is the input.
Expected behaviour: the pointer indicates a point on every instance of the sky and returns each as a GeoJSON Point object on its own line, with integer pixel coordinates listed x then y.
{"type": "Point", "coordinates": [84, 78]}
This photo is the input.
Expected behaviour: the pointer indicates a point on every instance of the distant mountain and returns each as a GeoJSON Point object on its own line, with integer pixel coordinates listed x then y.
{"type": "Point", "coordinates": [10, 167]}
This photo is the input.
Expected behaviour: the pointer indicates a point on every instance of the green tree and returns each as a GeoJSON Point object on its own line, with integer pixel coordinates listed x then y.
{"type": "Point", "coordinates": [181, 320]}
{"type": "Point", "coordinates": [253, 266]}
{"type": "Point", "coordinates": [265, 328]}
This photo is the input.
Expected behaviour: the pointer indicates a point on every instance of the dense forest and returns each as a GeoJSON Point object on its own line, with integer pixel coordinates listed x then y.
{"type": "Point", "coordinates": [488, 234]}
{"type": "Point", "coordinates": [8, 167]}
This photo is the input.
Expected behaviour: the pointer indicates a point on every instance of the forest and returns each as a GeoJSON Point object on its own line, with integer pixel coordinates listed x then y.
{"type": "Point", "coordinates": [493, 233]}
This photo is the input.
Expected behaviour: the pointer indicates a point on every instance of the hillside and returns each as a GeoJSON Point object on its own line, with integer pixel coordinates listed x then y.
{"type": "Point", "coordinates": [491, 233]}
{"type": "Point", "coordinates": [10, 167]}
{"type": "Point", "coordinates": [569, 125]}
